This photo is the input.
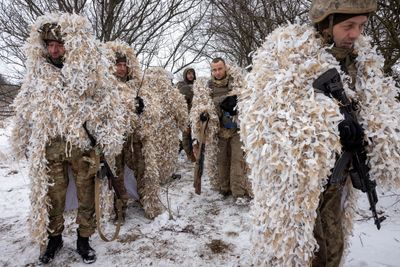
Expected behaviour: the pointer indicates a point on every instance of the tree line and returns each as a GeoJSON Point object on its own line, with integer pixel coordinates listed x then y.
{"type": "Point", "coordinates": [177, 33]}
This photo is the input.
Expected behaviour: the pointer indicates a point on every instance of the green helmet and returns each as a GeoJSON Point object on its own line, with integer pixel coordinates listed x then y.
{"type": "Point", "coordinates": [320, 9]}
{"type": "Point", "coordinates": [51, 32]}
{"type": "Point", "coordinates": [120, 57]}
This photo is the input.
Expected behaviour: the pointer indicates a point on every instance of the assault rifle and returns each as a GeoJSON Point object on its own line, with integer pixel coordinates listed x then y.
{"type": "Point", "coordinates": [105, 171]}
{"type": "Point", "coordinates": [198, 168]}
{"type": "Point", "coordinates": [331, 85]}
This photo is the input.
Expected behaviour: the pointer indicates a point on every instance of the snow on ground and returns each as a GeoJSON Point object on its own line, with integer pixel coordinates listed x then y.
{"type": "Point", "coordinates": [372, 247]}
{"type": "Point", "coordinates": [206, 230]}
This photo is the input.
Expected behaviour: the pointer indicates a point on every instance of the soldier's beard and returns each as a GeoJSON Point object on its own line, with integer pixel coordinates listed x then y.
{"type": "Point", "coordinates": [58, 62]}
{"type": "Point", "coordinates": [123, 78]}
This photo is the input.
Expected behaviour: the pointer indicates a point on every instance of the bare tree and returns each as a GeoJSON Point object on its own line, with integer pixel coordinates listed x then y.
{"type": "Point", "coordinates": [159, 30]}
{"type": "Point", "coordinates": [238, 27]}
{"type": "Point", "coordinates": [385, 31]}
{"type": "Point", "coordinates": [7, 93]}
{"type": "Point", "coordinates": [177, 33]}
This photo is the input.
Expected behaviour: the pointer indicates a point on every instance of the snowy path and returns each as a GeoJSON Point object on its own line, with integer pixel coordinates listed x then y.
{"type": "Point", "coordinates": [206, 230]}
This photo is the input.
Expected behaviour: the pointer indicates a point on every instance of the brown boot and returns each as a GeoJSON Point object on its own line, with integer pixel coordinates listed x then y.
{"type": "Point", "coordinates": [123, 214]}
{"type": "Point", "coordinates": [123, 203]}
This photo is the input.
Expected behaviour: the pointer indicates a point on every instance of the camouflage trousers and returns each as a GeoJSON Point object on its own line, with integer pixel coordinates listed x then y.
{"type": "Point", "coordinates": [84, 165]}
{"type": "Point", "coordinates": [132, 156]}
{"type": "Point", "coordinates": [328, 228]}
{"type": "Point", "coordinates": [231, 166]}
{"type": "Point", "coordinates": [147, 179]}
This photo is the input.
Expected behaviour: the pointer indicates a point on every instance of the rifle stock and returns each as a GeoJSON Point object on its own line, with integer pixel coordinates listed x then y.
{"type": "Point", "coordinates": [198, 170]}
{"type": "Point", "coordinates": [111, 177]}
{"type": "Point", "coordinates": [199, 166]}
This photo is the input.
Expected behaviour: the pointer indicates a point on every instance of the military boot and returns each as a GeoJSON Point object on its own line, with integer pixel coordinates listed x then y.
{"type": "Point", "coordinates": [87, 253]}
{"type": "Point", "coordinates": [123, 217]}
{"type": "Point", "coordinates": [123, 205]}
{"type": "Point", "coordinates": [53, 246]}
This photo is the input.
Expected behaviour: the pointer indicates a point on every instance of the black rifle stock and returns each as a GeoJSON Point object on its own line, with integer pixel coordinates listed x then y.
{"type": "Point", "coordinates": [331, 85]}
{"type": "Point", "coordinates": [199, 166]}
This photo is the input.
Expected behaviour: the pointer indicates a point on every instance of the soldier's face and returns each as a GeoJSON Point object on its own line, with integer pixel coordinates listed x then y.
{"type": "Point", "coordinates": [218, 70]}
{"type": "Point", "coordinates": [347, 32]}
{"type": "Point", "coordinates": [121, 69]}
{"type": "Point", "coordinates": [55, 49]}
{"type": "Point", "coordinates": [190, 76]}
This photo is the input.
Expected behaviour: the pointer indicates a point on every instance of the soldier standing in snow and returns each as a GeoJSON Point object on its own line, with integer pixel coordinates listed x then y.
{"type": "Point", "coordinates": [218, 98]}
{"type": "Point", "coordinates": [66, 85]}
{"type": "Point", "coordinates": [186, 88]}
{"type": "Point", "coordinates": [293, 133]}
{"type": "Point", "coordinates": [124, 74]}
{"type": "Point", "coordinates": [139, 152]}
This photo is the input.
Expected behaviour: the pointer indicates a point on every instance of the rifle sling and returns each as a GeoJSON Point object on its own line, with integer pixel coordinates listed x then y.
{"type": "Point", "coordinates": [97, 191]}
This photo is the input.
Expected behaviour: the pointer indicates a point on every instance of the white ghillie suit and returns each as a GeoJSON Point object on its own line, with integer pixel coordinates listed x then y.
{"type": "Point", "coordinates": [290, 136]}
{"type": "Point", "coordinates": [128, 90]}
{"type": "Point", "coordinates": [203, 103]}
{"type": "Point", "coordinates": [149, 187]}
{"type": "Point", "coordinates": [143, 127]}
{"type": "Point", "coordinates": [56, 102]}
{"type": "Point", "coordinates": [174, 117]}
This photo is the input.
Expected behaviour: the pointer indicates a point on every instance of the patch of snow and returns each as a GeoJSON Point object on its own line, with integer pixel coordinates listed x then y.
{"type": "Point", "coordinates": [205, 230]}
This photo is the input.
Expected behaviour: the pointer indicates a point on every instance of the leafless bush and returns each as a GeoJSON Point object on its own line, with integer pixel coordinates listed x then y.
{"type": "Point", "coordinates": [161, 31]}
{"type": "Point", "coordinates": [7, 94]}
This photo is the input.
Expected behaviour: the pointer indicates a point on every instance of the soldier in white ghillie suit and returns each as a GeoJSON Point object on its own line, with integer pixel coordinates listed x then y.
{"type": "Point", "coordinates": [66, 85]}
{"type": "Point", "coordinates": [139, 152]}
{"type": "Point", "coordinates": [174, 118]}
{"type": "Point", "coordinates": [223, 153]}
{"type": "Point", "coordinates": [297, 127]}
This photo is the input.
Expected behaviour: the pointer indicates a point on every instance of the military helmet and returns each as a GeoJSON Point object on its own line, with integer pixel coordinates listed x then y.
{"type": "Point", "coordinates": [51, 32]}
{"type": "Point", "coordinates": [320, 9]}
{"type": "Point", "coordinates": [120, 57]}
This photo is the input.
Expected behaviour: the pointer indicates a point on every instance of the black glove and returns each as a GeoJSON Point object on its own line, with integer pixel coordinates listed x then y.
{"type": "Point", "coordinates": [139, 105]}
{"type": "Point", "coordinates": [229, 104]}
{"type": "Point", "coordinates": [351, 134]}
{"type": "Point", "coordinates": [203, 117]}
